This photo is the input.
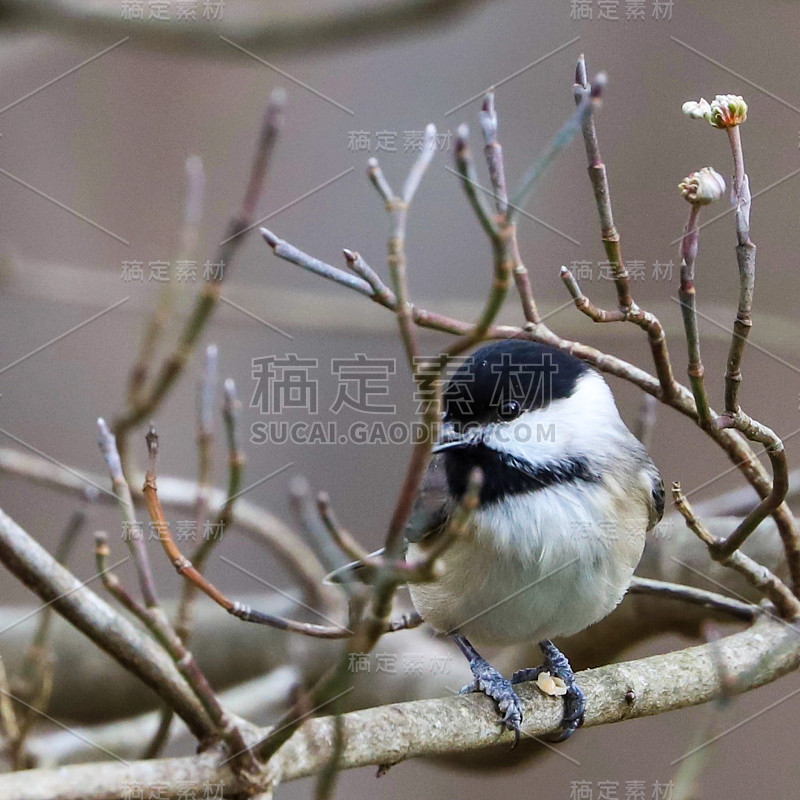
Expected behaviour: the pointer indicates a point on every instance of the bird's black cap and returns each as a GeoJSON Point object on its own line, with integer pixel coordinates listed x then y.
{"type": "Point", "coordinates": [507, 378]}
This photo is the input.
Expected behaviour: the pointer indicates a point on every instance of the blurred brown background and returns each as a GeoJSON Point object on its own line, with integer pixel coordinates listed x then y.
{"type": "Point", "coordinates": [110, 142]}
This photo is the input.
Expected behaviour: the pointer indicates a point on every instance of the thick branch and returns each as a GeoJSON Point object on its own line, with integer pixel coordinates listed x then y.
{"type": "Point", "coordinates": [41, 573]}
{"type": "Point", "coordinates": [250, 23]}
{"type": "Point", "coordinates": [394, 733]}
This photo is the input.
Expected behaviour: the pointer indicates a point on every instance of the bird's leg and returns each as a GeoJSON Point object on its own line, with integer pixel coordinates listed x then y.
{"type": "Point", "coordinates": [555, 662]}
{"type": "Point", "coordinates": [489, 681]}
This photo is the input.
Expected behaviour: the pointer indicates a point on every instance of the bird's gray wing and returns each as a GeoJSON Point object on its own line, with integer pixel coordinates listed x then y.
{"type": "Point", "coordinates": [429, 514]}
{"type": "Point", "coordinates": [654, 486]}
{"type": "Point", "coordinates": [428, 517]}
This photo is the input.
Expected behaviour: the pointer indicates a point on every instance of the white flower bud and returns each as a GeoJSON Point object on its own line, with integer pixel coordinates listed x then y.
{"type": "Point", "coordinates": [696, 109]}
{"type": "Point", "coordinates": [703, 187]}
{"type": "Point", "coordinates": [727, 111]}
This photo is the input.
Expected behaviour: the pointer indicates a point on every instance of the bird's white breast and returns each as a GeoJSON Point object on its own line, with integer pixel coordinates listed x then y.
{"type": "Point", "coordinates": [538, 565]}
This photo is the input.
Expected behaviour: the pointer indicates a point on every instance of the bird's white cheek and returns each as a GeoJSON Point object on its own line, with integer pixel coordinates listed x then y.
{"type": "Point", "coordinates": [534, 438]}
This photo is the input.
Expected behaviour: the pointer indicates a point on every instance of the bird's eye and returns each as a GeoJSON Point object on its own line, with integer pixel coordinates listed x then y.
{"type": "Point", "coordinates": [509, 409]}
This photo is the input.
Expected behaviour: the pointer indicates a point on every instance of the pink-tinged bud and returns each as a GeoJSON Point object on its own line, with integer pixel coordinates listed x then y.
{"type": "Point", "coordinates": [727, 111]}
{"type": "Point", "coordinates": [724, 111]}
{"type": "Point", "coordinates": [702, 187]}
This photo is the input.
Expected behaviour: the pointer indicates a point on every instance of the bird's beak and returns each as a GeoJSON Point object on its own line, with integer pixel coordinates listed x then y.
{"type": "Point", "coordinates": [441, 446]}
{"type": "Point", "coordinates": [449, 438]}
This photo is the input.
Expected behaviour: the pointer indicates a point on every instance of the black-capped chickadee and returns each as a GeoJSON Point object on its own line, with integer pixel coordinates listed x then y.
{"type": "Point", "coordinates": [567, 497]}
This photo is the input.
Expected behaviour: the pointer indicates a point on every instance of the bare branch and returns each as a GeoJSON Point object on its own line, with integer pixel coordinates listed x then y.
{"type": "Point", "coordinates": [687, 295]}
{"type": "Point", "coordinates": [134, 650]}
{"type": "Point", "coordinates": [297, 32]}
{"type": "Point", "coordinates": [185, 568]}
{"type": "Point", "coordinates": [159, 317]}
{"type": "Point", "coordinates": [493, 151]}
{"type": "Point", "coordinates": [756, 574]}
{"type": "Point", "coordinates": [133, 537]}
{"type": "Point", "coordinates": [206, 389]}
{"type": "Point", "coordinates": [691, 594]}
{"type": "Point", "coordinates": [259, 524]}
{"type": "Point", "coordinates": [602, 195]}
{"type": "Point", "coordinates": [157, 623]}
{"type": "Point", "coordinates": [579, 120]}
{"type": "Point", "coordinates": [239, 225]}
{"type": "Point", "coordinates": [393, 733]}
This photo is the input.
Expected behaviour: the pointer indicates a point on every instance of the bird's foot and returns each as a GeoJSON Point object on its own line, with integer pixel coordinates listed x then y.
{"type": "Point", "coordinates": [555, 662]}
{"type": "Point", "coordinates": [491, 682]}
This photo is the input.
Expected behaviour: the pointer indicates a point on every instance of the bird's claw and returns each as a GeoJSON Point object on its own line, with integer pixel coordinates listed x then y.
{"type": "Point", "coordinates": [574, 709]}
{"type": "Point", "coordinates": [491, 683]}
{"type": "Point", "coordinates": [574, 700]}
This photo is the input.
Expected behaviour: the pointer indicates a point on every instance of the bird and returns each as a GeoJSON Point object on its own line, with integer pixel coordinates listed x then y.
{"type": "Point", "coordinates": [567, 495]}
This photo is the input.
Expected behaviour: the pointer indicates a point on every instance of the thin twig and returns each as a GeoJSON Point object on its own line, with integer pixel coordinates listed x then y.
{"type": "Point", "coordinates": [397, 206]}
{"type": "Point", "coordinates": [235, 234]}
{"type": "Point", "coordinates": [584, 304]}
{"type": "Point", "coordinates": [381, 291]}
{"type": "Point", "coordinates": [756, 431]}
{"type": "Point", "coordinates": [206, 388]}
{"type": "Point", "coordinates": [611, 242]}
{"type": "Point", "coordinates": [582, 117]}
{"type": "Point", "coordinates": [746, 260]}
{"type": "Point", "coordinates": [342, 537]}
{"type": "Point", "coordinates": [185, 568]}
{"type": "Point", "coordinates": [645, 320]}
{"type": "Point", "coordinates": [700, 597]}
{"type": "Point", "coordinates": [502, 230]}
{"type": "Point", "coordinates": [134, 536]}
{"type": "Point", "coordinates": [420, 571]}
{"type": "Point", "coordinates": [465, 166]}
{"type": "Point", "coordinates": [599, 180]}
{"type": "Point", "coordinates": [493, 151]}
{"type": "Point", "coordinates": [420, 165]}
{"type": "Point", "coordinates": [260, 525]}
{"type": "Point", "coordinates": [288, 252]}
{"type": "Point", "coordinates": [757, 575]}
{"type": "Point", "coordinates": [687, 296]}
{"type": "Point", "coordinates": [236, 461]}
{"type": "Point", "coordinates": [733, 416]}
{"type": "Point", "coordinates": [313, 525]}
{"type": "Point", "coordinates": [157, 623]}
{"type": "Point", "coordinates": [382, 294]}
{"type": "Point", "coordinates": [159, 319]}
